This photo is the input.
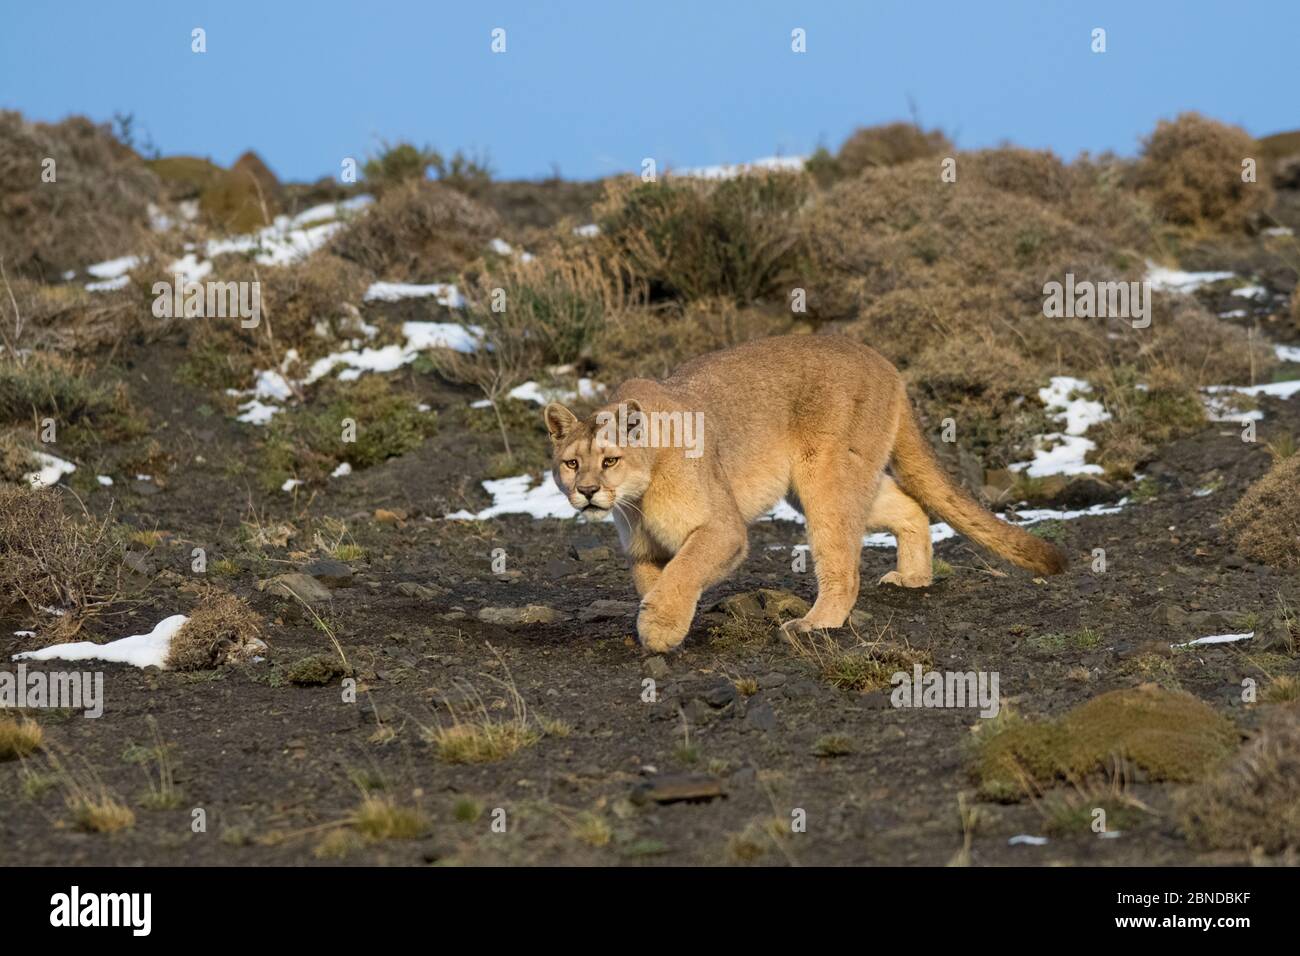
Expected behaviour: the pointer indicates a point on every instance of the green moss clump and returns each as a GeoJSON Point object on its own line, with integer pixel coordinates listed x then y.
{"type": "Point", "coordinates": [316, 671]}
{"type": "Point", "coordinates": [1170, 735]}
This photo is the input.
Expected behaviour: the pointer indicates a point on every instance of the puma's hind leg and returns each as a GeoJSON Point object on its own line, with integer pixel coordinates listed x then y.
{"type": "Point", "coordinates": [836, 497]}
{"type": "Point", "coordinates": [895, 512]}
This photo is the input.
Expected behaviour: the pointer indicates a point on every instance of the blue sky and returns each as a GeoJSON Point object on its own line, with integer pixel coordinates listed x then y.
{"type": "Point", "coordinates": [591, 88]}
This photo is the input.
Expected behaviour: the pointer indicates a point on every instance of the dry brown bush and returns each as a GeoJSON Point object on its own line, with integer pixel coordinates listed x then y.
{"type": "Point", "coordinates": [1089, 193]}
{"type": "Point", "coordinates": [244, 198]}
{"type": "Point", "coordinates": [419, 231]}
{"type": "Point", "coordinates": [220, 629]}
{"type": "Point", "coordinates": [1191, 170]}
{"type": "Point", "coordinates": [49, 558]}
{"type": "Point", "coordinates": [889, 145]}
{"type": "Point", "coordinates": [1253, 800]}
{"type": "Point", "coordinates": [95, 210]}
{"type": "Point", "coordinates": [1265, 523]}
{"type": "Point", "coordinates": [903, 228]}
{"type": "Point", "coordinates": [687, 239]}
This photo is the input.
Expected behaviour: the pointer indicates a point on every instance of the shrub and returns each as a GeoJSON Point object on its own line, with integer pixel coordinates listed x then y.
{"type": "Point", "coordinates": [309, 306]}
{"type": "Point", "coordinates": [396, 164]}
{"type": "Point", "coordinates": [1254, 799]}
{"type": "Point", "coordinates": [96, 207]}
{"type": "Point", "coordinates": [418, 231]}
{"type": "Point", "coordinates": [49, 558]}
{"type": "Point", "coordinates": [219, 629]}
{"type": "Point", "coordinates": [562, 300]}
{"type": "Point", "coordinates": [1191, 170]}
{"type": "Point", "coordinates": [243, 199]}
{"type": "Point", "coordinates": [1265, 523]}
{"type": "Point", "coordinates": [307, 442]}
{"type": "Point", "coordinates": [689, 239]}
{"type": "Point", "coordinates": [889, 145]}
{"type": "Point", "coordinates": [903, 228]}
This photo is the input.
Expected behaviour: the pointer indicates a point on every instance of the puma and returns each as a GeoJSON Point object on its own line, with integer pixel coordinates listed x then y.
{"type": "Point", "coordinates": [814, 418]}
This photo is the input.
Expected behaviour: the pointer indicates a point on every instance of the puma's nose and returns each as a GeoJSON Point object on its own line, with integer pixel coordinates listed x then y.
{"type": "Point", "coordinates": [588, 490]}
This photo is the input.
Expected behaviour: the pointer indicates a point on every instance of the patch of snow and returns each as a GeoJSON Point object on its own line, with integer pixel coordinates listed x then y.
{"type": "Point", "coordinates": [589, 231]}
{"type": "Point", "coordinates": [343, 470]}
{"type": "Point", "coordinates": [532, 392]}
{"type": "Point", "coordinates": [1251, 292]}
{"type": "Point", "coordinates": [254, 412]}
{"type": "Point", "coordinates": [1027, 840]}
{"type": "Point", "coordinates": [518, 495]}
{"type": "Point", "coordinates": [104, 480]}
{"type": "Point", "coordinates": [49, 473]}
{"type": "Point", "coordinates": [1234, 314]}
{"type": "Point", "coordinates": [1288, 353]}
{"type": "Point", "coordinates": [113, 268]}
{"type": "Point", "coordinates": [1175, 280]}
{"type": "Point", "coordinates": [290, 484]}
{"type": "Point", "coordinates": [1065, 453]}
{"type": "Point", "coordinates": [24, 633]}
{"type": "Point", "coordinates": [941, 531]}
{"type": "Point", "coordinates": [139, 650]}
{"type": "Point", "coordinates": [190, 268]}
{"type": "Point", "coordinates": [1217, 639]}
{"type": "Point", "coordinates": [445, 293]}
{"type": "Point", "coordinates": [109, 285]}
{"type": "Point", "coordinates": [1279, 231]}
{"type": "Point", "coordinates": [731, 171]}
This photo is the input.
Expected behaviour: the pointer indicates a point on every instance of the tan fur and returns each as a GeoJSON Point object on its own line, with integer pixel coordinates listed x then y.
{"type": "Point", "coordinates": [814, 418]}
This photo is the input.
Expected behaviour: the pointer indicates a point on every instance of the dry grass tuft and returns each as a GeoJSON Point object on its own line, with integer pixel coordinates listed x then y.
{"type": "Point", "coordinates": [222, 628]}
{"type": "Point", "coordinates": [19, 737]}
{"type": "Point", "coordinates": [380, 818]}
{"type": "Point", "coordinates": [1253, 799]}
{"type": "Point", "coordinates": [1265, 523]}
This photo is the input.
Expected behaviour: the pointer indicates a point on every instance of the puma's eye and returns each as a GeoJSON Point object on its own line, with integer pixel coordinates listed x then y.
{"type": "Point", "coordinates": [571, 464]}
{"type": "Point", "coordinates": [609, 463]}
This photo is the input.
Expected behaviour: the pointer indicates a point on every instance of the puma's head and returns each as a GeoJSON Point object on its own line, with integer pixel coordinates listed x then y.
{"type": "Point", "coordinates": [593, 470]}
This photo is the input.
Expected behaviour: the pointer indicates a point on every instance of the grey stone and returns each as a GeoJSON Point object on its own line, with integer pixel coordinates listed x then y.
{"type": "Point", "coordinates": [657, 667]}
{"type": "Point", "coordinates": [760, 716]}
{"type": "Point", "coordinates": [603, 610]}
{"type": "Point", "coordinates": [296, 585]}
{"type": "Point", "coordinates": [331, 573]}
{"type": "Point", "coordinates": [515, 616]}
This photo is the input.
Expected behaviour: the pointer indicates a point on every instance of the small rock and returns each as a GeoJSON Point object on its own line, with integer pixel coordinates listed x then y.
{"type": "Point", "coordinates": [331, 573]}
{"type": "Point", "coordinates": [720, 695]}
{"type": "Point", "coordinates": [760, 716]}
{"type": "Point", "coordinates": [296, 585]}
{"type": "Point", "coordinates": [591, 552]}
{"type": "Point", "coordinates": [657, 667]}
{"type": "Point", "coordinates": [420, 592]}
{"type": "Point", "coordinates": [673, 788]}
{"type": "Point", "coordinates": [528, 614]}
{"type": "Point", "coordinates": [774, 679]}
{"type": "Point", "coordinates": [137, 562]}
{"type": "Point", "coordinates": [603, 610]}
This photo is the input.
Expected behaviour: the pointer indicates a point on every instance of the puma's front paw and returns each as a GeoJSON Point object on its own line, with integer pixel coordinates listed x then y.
{"type": "Point", "coordinates": [897, 579]}
{"type": "Point", "coordinates": [660, 626]}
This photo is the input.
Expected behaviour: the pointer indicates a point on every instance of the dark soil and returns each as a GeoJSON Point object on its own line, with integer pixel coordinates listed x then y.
{"type": "Point", "coordinates": [276, 768]}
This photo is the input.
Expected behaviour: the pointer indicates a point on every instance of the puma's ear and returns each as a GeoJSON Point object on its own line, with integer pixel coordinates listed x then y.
{"type": "Point", "coordinates": [633, 410]}
{"type": "Point", "coordinates": [559, 420]}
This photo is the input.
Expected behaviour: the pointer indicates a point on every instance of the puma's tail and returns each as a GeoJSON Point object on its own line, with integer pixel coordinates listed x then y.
{"type": "Point", "coordinates": [919, 473]}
